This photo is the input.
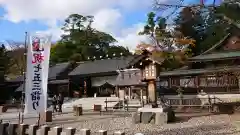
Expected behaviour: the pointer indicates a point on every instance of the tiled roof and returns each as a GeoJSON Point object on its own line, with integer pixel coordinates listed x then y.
{"type": "Point", "coordinates": [215, 56]}
{"type": "Point", "coordinates": [18, 79]}
{"type": "Point", "coordinates": [54, 71]}
{"type": "Point", "coordinates": [180, 72]}
{"type": "Point", "coordinates": [101, 66]}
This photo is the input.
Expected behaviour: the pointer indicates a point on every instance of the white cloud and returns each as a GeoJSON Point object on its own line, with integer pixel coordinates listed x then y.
{"type": "Point", "coordinates": [109, 15]}
{"type": "Point", "coordinates": [130, 37]}
{"type": "Point", "coordinates": [108, 20]}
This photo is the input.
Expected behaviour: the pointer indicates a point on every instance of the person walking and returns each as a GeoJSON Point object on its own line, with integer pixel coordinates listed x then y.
{"type": "Point", "coordinates": [60, 100]}
{"type": "Point", "coordinates": [54, 103]}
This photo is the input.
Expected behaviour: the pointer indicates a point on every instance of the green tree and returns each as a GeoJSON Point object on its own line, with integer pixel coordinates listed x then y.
{"type": "Point", "coordinates": [206, 26]}
{"type": "Point", "coordinates": [156, 30]}
{"type": "Point", "coordinates": [17, 59]}
{"type": "Point", "coordinates": [82, 41]}
{"type": "Point", "coordinates": [4, 63]}
{"type": "Point", "coordinates": [164, 43]}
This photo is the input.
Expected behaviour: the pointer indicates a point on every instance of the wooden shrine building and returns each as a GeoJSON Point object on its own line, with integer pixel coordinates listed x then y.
{"type": "Point", "coordinates": [97, 76]}
{"type": "Point", "coordinates": [215, 71]}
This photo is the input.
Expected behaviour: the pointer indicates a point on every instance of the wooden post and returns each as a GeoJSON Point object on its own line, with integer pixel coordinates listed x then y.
{"type": "Point", "coordinates": [12, 129]}
{"type": "Point", "coordinates": [127, 101]}
{"type": "Point", "coordinates": [32, 129]}
{"type": "Point", "coordinates": [129, 93]}
{"type": "Point", "coordinates": [152, 91]}
{"type": "Point", "coordinates": [116, 91]}
{"type": "Point", "coordinates": [23, 129]}
{"type": "Point", "coordinates": [141, 96]}
{"type": "Point", "coordinates": [106, 105]}
{"type": "Point", "coordinates": [39, 117]}
{"type": "Point", "coordinates": [170, 82]}
{"type": "Point", "coordinates": [55, 131]}
{"type": "Point", "coordinates": [70, 131]}
{"type": "Point", "coordinates": [102, 132]}
{"type": "Point", "coordinates": [238, 78]}
{"type": "Point", "coordinates": [85, 132]}
{"type": "Point", "coordinates": [3, 128]}
{"type": "Point", "coordinates": [69, 95]}
{"type": "Point", "coordinates": [43, 130]}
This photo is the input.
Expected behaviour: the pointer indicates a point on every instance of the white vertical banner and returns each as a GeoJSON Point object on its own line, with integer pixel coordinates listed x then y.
{"type": "Point", "coordinates": [38, 54]}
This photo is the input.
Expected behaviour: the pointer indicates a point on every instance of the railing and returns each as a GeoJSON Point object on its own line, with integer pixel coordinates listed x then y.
{"type": "Point", "coordinates": [24, 129]}
{"type": "Point", "coordinates": [187, 101]}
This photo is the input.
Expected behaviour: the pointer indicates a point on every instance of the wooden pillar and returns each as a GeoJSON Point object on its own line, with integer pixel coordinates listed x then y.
{"type": "Point", "coordinates": [116, 91]}
{"type": "Point", "coordinates": [129, 93]}
{"type": "Point", "coordinates": [170, 82]}
{"type": "Point", "coordinates": [141, 94]}
{"type": "Point", "coordinates": [238, 78]}
{"type": "Point", "coordinates": [152, 92]}
{"type": "Point", "coordinates": [69, 94]}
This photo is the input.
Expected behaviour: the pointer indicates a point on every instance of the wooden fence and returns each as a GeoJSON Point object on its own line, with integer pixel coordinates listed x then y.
{"type": "Point", "coordinates": [24, 129]}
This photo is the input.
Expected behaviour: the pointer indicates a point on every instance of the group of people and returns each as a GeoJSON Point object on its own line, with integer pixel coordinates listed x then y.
{"type": "Point", "coordinates": [57, 102]}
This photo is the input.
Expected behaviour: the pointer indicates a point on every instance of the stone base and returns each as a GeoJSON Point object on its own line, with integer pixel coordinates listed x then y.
{"type": "Point", "coordinates": [136, 118]}
{"type": "Point", "coordinates": [157, 116]}
{"type": "Point", "coordinates": [147, 117]}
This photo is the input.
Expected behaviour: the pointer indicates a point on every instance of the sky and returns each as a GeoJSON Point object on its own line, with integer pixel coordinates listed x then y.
{"type": "Point", "coordinates": [123, 19]}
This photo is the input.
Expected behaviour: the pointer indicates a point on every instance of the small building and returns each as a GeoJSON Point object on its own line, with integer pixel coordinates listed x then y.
{"type": "Point", "coordinates": [214, 72]}
{"type": "Point", "coordinates": [129, 82]}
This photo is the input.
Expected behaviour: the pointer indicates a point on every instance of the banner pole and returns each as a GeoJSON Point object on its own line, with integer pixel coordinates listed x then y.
{"type": "Point", "coordinates": [24, 77]}
{"type": "Point", "coordinates": [38, 121]}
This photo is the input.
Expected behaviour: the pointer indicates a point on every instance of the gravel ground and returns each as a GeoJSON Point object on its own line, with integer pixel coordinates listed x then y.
{"type": "Point", "coordinates": [205, 125]}
{"type": "Point", "coordinates": [189, 124]}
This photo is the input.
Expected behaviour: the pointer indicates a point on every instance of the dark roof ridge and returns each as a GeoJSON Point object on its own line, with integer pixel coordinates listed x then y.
{"type": "Point", "coordinates": [219, 43]}
{"type": "Point", "coordinates": [222, 51]}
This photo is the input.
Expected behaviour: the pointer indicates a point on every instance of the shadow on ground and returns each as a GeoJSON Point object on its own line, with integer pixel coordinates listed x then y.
{"type": "Point", "coordinates": [219, 129]}
{"type": "Point", "coordinates": [184, 117]}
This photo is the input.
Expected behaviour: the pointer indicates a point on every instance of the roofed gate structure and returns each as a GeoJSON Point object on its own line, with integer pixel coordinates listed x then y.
{"type": "Point", "coordinates": [215, 72]}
